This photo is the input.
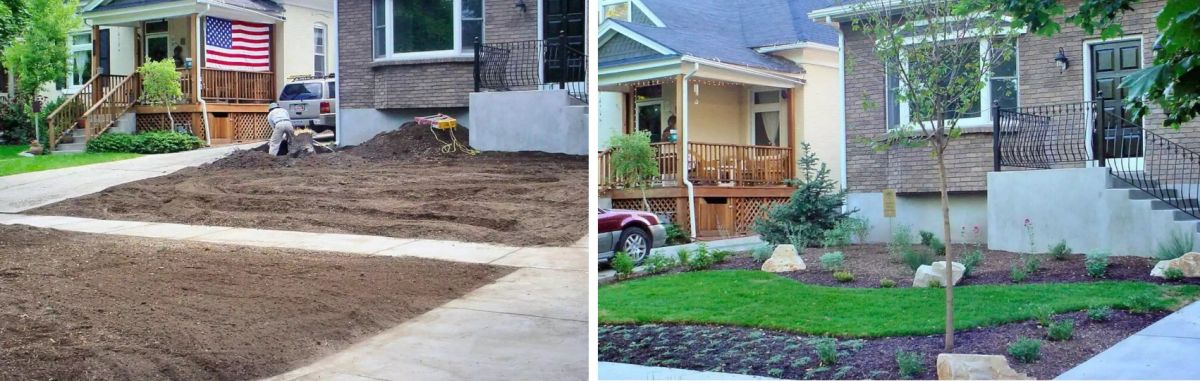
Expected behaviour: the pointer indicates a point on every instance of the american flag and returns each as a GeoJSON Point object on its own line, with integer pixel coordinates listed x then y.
{"type": "Point", "coordinates": [236, 45]}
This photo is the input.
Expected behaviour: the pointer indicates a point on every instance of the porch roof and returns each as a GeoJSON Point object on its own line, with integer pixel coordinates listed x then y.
{"type": "Point", "coordinates": [622, 78]}
{"type": "Point", "coordinates": [125, 12]}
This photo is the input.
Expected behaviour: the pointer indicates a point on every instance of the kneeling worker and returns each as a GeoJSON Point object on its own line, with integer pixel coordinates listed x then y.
{"type": "Point", "coordinates": [281, 126]}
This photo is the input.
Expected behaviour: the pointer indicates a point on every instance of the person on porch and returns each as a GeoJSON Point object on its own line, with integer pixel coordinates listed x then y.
{"type": "Point", "coordinates": [671, 133]}
{"type": "Point", "coordinates": [281, 125]}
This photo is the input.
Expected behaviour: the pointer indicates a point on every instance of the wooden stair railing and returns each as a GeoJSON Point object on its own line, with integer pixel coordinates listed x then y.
{"type": "Point", "coordinates": [67, 115]}
{"type": "Point", "coordinates": [116, 102]}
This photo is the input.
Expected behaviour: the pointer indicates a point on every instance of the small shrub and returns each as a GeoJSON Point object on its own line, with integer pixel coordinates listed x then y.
{"type": "Point", "coordinates": [927, 237]}
{"type": "Point", "coordinates": [1096, 264]}
{"type": "Point", "coordinates": [839, 235]}
{"type": "Point", "coordinates": [1144, 304]}
{"type": "Point", "coordinates": [111, 142]}
{"type": "Point", "coordinates": [936, 247]}
{"type": "Point", "coordinates": [910, 364]}
{"type": "Point", "coordinates": [684, 256]}
{"type": "Point", "coordinates": [1061, 330]}
{"type": "Point", "coordinates": [916, 258]}
{"type": "Point", "coordinates": [622, 264]}
{"type": "Point", "coordinates": [901, 241]}
{"type": "Point", "coordinates": [1018, 274]}
{"type": "Point", "coordinates": [1025, 350]}
{"type": "Point", "coordinates": [860, 226]}
{"type": "Point", "coordinates": [1042, 314]}
{"type": "Point", "coordinates": [701, 260]}
{"type": "Point", "coordinates": [720, 255]}
{"type": "Point", "coordinates": [1173, 274]}
{"type": "Point", "coordinates": [1060, 251]}
{"type": "Point", "coordinates": [775, 372]}
{"type": "Point", "coordinates": [145, 143]}
{"type": "Point", "coordinates": [934, 283]}
{"type": "Point", "coordinates": [816, 204]}
{"type": "Point", "coordinates": [833, 261]}
{"type": "Point", "coordinates": [843, 276]}
{"type": "Point", "coordinates": [826, 350]}
{"type": "Point", "coordinates": [657, 264]}
{"type": "Point", "coordinates": [1179, 244]}
{"type": "Point", "coordinates": [1031, 263]}
{"type": "Point", "coordinates": [972, 260]}
{"type": "Point", "coordinates": [762, 253]}
{"type": "Point", "coordinates": [887, 283]}
{"type": "Point", "coordinates": [1099, 313]}
{"type": "Point", "coordinates": [675, 235]}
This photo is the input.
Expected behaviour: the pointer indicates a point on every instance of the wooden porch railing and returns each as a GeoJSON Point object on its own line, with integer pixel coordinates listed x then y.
{"type": "Point", "coordinates": [230, 86]}
{"type": "Point", "coordinates": [66, 117]}
{"type": "Point", "coordinates": [116, 102]}
{"type": "Point", "coordinates": [713, 164]}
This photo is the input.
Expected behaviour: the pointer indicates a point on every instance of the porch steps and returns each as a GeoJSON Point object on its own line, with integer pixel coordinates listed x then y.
{"type": "Point", "coordinates": [1153, 202]}
{"type": "Point", "coordinates": [80, 144]}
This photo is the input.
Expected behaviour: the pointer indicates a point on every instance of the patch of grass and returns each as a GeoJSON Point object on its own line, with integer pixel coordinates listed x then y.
{"type": "Point", "coordinates": [765, 300]}
{"type": "Point", "coordinates": [11, 163]}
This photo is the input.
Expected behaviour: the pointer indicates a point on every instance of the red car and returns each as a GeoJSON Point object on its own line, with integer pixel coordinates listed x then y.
{"type": "Point", "coordinates": [630, 231]}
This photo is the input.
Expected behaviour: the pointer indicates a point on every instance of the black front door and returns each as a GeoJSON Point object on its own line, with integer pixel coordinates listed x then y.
{"type": "Point", "coordinates": [1111, 63]}
{"type": "Point", "coordinates": [104, 62]}
{"type": "Point", "coordinates": [564, 18]}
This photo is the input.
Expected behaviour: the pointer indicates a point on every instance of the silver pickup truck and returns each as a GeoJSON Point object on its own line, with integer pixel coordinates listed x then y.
{"type": "Point", "coordinates": [311, 101]}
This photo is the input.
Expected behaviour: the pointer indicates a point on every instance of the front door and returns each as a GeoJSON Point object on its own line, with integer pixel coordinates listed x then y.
{"type": "Point", "coordinates": [1120, 137]}
{"type": "Point", "coordinates": [156, 46]}
{"type": "Point", "coordinates": [649, 119]}
{"type": "Point", "coordinates": [564, 18]}
{"type": "Point", "coordinates": [103, 60]}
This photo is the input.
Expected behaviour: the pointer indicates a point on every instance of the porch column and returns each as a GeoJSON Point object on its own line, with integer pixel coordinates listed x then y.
{"type": "Point", "coordinates": [680, 164]}
{"type": "Point", "coordinates": [193, 22]}
{"type": "Point", "coordinates": [791, 128]}
{"type": "Point", "coordinates": [97, 88]}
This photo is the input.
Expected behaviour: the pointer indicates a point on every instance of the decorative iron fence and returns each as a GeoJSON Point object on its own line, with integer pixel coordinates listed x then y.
{"type": "Point", "coordinates": [1043, 137]}
{"type": "Point", "coordinates": [531, 65]}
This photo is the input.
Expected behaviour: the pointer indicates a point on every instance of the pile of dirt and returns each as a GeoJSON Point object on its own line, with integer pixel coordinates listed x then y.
{"type": "Point", "coordinates": [85, 306]}
{"type": "Point", "coordinates": [258, 158]}
{"type": "Point", "coordinates": [410, 142]}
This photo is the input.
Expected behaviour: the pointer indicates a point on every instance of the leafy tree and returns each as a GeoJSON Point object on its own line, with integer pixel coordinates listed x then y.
{"type": "Point", "coordinates": [160, 85]}
{"type": "Point", "coordinates": [633, 161]}
{"type": "Point", "coordinates": [939, 71]}
{"type": "Point", "coordinates": [1172, 82]}
{"type": "Point", "coordinates": [815, 206]}
{"type": "Point", "coordinates": [40, 54]}
{"type": "Point", "coordinates": [13, 19]}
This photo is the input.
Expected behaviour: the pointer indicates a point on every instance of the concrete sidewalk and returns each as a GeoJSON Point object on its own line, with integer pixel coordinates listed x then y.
{"type": "Point", "coordinates": [619, 371]}
{"type": "Point", "coordinates": [1166, 350]}
{"type": "Point", "coordinates": [30, 190]}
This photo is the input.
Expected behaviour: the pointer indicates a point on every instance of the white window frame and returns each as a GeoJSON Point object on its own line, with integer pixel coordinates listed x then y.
{"type": "Point", "coordinates": [71, 50]}
{"type": "Point", "coordinates": [628, 9]}
{"type": "Point", "coordinates": [322, 50]}
{"type": "Point", "coordinates": [985, 97]}
{"type": "Point", "coordinates": [780, 107]}
{"type": "Point", "coordinates": [462, 49]}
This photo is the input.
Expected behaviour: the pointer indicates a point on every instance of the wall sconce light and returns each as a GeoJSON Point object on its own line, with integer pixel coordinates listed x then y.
{"type": "Point", "coordinates": [1156, 48]}
{"type": "Point", "coordinates": [521, 4]}
{"type": "Point", "coordinates": [1062, 61]}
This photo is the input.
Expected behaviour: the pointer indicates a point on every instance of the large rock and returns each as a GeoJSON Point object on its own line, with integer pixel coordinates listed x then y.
{"type": "Point", "coordinates": [784, 259]}
{"type": "Point", "coordinates": [954, 366]}
{"type": "Point", "coordinates": [1188, 263]}
{"type": "Point", "coordinates": [927, 274]}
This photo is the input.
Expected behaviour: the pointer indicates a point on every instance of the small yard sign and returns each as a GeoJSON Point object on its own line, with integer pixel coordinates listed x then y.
{"type": "Point", "coordinates": [889, 203]}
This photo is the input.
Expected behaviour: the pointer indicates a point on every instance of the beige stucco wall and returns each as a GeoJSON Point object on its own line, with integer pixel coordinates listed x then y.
{"type": "Point", "coordinates": [295, 53]}
{"type": "Point", "coordinates": [818, 107]}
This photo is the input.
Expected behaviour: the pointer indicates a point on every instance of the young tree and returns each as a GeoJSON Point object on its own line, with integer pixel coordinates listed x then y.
{"type": "Point", "coordinates": [633, 161]}
{"type": "Point", "coordinates": [1172, 82]}
{"type": "Point", "coordinates": [814, 207]}
{"type": "Point", "coordinates": [939, 54]}
{"type": "Point", "coordinates": [39, 55]}
{"type": "Point", "coordinates": [160, 85]}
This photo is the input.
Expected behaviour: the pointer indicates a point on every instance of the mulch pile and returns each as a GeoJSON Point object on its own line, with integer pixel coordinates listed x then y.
{"type": "Point", "coordinates": [410, 142]}
{"type": "Point", "coordinates": [792, 356]}
{"type": "Point", "coordinates": [103, 307]}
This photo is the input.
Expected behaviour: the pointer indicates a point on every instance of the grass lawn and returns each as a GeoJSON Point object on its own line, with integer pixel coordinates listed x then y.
{"type": "Point", "coordinates": [11, 163]}
{"type": "Point", "coordinates": [765, 300]}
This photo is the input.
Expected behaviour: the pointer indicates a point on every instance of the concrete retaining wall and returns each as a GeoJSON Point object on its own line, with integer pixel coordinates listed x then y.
{"type": "Point", "coordinates": [921, 212]}
{"type": "Point", "coordinates": [547, 121]}
{"type": "Point", "coordinates": [1075, 205]}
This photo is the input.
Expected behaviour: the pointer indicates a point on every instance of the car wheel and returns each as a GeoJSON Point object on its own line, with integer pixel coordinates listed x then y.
{"type": "Point", "coordinates": [635, 242]}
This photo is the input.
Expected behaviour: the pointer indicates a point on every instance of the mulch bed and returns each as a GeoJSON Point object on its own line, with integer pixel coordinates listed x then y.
{"type": "Point", "coordinates": [790, 356]}
{"type": "Point", "coordinates": [86, 306]}
{"type": "Point", "coordinates": [398, 184]}
{"type": "Point", "coordinates": [870, 263]}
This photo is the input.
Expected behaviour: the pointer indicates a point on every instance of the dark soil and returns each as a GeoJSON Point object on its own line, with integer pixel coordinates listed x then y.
{"type": "Point", "coordinates": [398, 184]}
{"type": "Point", "coordinates": [790, 356]}
{"type": "Point", "coordinates": [870, 263]}
{"type": "Point", "coordinates": [84, 306]}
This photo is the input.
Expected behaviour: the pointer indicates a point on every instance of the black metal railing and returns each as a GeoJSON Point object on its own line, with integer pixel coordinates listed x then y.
{"type": "Point", "coordinates": [531, 65]}
{"type": "Point", "coordinates": [1048, 136]}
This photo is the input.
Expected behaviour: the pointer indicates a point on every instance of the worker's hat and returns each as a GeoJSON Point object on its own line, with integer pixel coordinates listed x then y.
{"type": "Point", "coordinates": [272, 105]}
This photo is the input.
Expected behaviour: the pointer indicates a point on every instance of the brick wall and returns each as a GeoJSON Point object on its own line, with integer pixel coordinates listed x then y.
{"type": "Point", "coordinates": [970, 157]}
{"type": "Point", "coordinates": [431, 83]}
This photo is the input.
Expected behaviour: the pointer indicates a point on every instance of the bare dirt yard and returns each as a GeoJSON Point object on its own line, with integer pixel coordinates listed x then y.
{"type": "Point", "coordinates": [398, 184]}
{"type": "Point", "coordinates": [84, 306]}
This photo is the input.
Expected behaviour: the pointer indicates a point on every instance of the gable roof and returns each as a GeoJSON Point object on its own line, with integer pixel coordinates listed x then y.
{"type": "Point", "coordinates": [730, 30]}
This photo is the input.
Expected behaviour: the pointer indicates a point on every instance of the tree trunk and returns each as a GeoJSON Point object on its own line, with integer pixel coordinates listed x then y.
{"type": "Point", "coordinates": [170, 119]}
{"type": "Point", "coordinates": [949, 254]}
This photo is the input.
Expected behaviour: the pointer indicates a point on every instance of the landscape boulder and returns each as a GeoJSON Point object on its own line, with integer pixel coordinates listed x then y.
{"type": "Point", "coordinates": [1189, 264]}
{"type": "Point", "coordinates": [785, 258]}
{"type": "Point", "coordinates": [927, 274]}
{"type": "Point", "coordinates": [954, 366]}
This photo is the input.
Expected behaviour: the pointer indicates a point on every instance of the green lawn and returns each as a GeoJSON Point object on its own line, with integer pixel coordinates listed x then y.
{"type": "Point", "coordinates": [11, 163]}
{"type": "Point", "coordinates": [765, 300]}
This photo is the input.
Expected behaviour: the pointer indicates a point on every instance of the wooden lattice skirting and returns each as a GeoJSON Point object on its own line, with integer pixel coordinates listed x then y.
{"type": "Point", "coordinates": [246, 126]}
{"type": "Point", "coordinates": [735, 216]}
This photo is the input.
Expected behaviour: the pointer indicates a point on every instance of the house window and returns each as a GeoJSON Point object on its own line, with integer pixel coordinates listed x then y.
{"type": "Point", "coordinates": [426, 28]}
{"type": "Point", "coordinates": [615, 10]}
{"type": "Point", "coordinates": [79, 61]}
{"type": "Point", "coordinates": [319, 50]}
{"type": "Point", "coordinates": [1002, 86]}
{"type": "Point", "coordinates": [767, 112]}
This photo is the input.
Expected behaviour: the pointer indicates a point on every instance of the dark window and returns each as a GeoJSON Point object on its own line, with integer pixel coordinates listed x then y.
{"type": "Point", "coordinates": [156, 27]}
{"type": "Point", "coordinates": [648, 92]}
{"type": "Point", "coordinates": [300, 92]}
{"type": "Point", "coordinates": [332, 90]}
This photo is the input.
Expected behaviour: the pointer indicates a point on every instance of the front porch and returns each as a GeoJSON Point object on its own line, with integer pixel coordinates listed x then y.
{"type": "Point", "coordinates": [221, 103]}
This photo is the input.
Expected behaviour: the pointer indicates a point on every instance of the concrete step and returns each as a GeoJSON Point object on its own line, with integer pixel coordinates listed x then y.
{"type": "Point", "coordinates": [1183, 216]}
{"type": "Point", "coordinates": [71, 147]}
{"type": "Point", "coordinates": [1163, 205]}
{"type": "Point", "coordinates": [1138, 194]}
